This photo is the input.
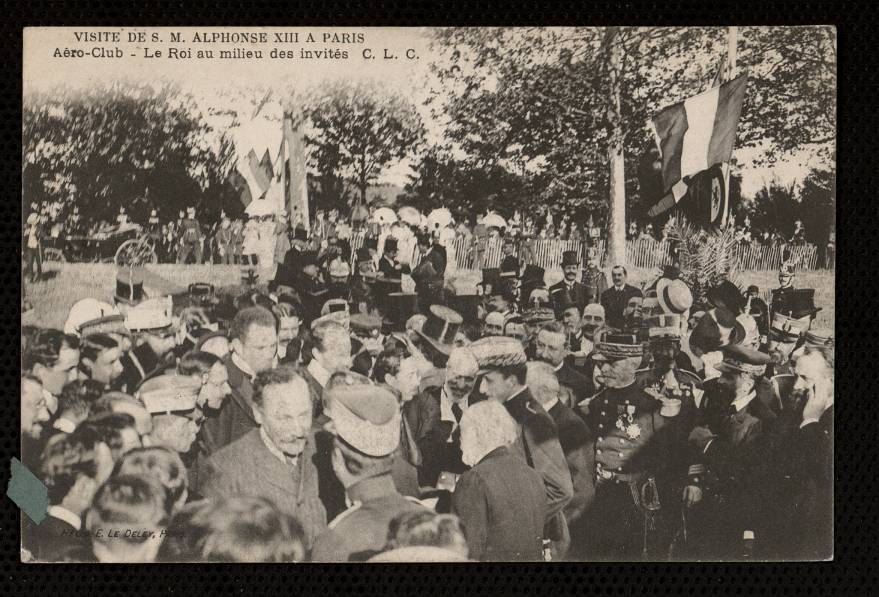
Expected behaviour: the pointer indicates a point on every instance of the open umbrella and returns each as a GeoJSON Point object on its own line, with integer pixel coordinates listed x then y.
{"type": "Point", "coordinates": [384, 215]}
{"type": "Point", "coordinates": [259, 208]}
{"type": "Point", "coordinates": [494, 220]}
{"type": "Point", "coordinates": [439, 218]}
{"type": "Point", "coordinates": [410, 215]}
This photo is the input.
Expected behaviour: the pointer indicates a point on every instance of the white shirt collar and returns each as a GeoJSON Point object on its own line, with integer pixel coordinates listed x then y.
{"type": "Point", "coordinates": [559, 367]}
{"type": "Point", "coordinates": [271, 447]}
{"type": "Point", "coordinates": [245, 368]}
{"type": "Point", "coordinates": [319, 372]}
{"type": "Point", "coordinates": [66, 515]}
{"type": "Point", "coordinates": [446, 403]}
{"type": "Point", "coordinates": [64, 425]}
{"type": "Point", "coordinates": [743, 401]}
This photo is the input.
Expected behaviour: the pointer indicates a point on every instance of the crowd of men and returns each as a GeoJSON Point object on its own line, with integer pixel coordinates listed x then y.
{"type": "Point", "coordinates": [331, 416]}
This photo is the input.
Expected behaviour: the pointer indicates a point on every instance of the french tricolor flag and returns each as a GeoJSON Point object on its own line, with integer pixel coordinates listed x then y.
{"type": "Point", "coordinates": [695, 135]}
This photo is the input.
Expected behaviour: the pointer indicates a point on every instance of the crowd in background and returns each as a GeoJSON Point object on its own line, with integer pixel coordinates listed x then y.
{"type": "Point", "coordinates": [331, 416]}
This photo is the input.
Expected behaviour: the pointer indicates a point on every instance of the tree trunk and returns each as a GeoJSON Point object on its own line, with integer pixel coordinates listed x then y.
{"type": "Point", "coordinates": [616, 220]}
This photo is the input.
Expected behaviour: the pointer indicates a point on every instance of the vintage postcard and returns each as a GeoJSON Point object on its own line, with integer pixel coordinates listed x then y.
{"type": "Point", "coordinates": [300, 294]}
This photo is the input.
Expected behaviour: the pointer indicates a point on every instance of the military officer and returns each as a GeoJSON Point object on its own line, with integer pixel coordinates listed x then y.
{"type": "Point", "coordinates": [791, 318]}
{"type": "Point", "coordinates": [592, 277]}
{"type": "Point", "coordinates": [639, 462]}
{"type": "Point", "coordinates": [191, 238]}
{"type": "Point", "coordinates": [365, 420]}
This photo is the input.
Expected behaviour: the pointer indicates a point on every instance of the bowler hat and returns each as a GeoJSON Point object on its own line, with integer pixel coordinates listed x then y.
{"type": "Point", "coordinates": [441, 327]}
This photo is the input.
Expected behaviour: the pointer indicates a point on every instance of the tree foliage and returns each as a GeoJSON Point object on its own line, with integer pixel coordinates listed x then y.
{"type": "Point", "coordinates": [125, 144]}
{"type": "Point", "coordinates": [358, 130]}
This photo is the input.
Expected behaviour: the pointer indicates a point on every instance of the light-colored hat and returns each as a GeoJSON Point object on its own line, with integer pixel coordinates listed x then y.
{"type": "Point", "coordinates": [674, 296]}
{"type": "Point", "coordinates": [169, 393]}
{"type": "Point", "coordinates": [87, 310]}
{"type": "Point", "coordinates": [496, 318]}
{"type": "Point", "coordinates": [339, 269]}
{"type": "Point", "coordinates": [364, 415]}
{"type": "Point", "coordinates": [499, 351]}
{"type": "Point", "coordinates": [819, 337]}
{"type": "Point", "coordinates": [153, 314]}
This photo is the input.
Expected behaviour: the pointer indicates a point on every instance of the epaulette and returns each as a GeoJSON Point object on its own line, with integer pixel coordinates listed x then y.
{"type": "Point", "coordinates": [354, 507]}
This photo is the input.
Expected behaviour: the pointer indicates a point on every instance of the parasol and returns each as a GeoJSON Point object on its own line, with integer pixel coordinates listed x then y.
{"type": "Point", "coordinates": [409, 215]}
{"type": "Point", "coordinates": [384, 215]}
{"type": "Point", "coordinates": [494, 220]}
{"type": "Point", "coordinates": [439, 218]}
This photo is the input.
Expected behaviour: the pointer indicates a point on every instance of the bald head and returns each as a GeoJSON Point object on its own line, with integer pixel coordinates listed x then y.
{"type": "Point", "coordinates": [543, 382]}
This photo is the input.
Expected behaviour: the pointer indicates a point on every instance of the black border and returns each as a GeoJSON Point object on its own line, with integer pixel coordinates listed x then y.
{"type": "Point", "coordinates": [857, 529]}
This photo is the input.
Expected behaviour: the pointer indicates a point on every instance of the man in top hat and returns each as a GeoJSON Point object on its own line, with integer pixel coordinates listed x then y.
{"type": "Point", "coordinates": [438, 333]}
{"type": "Point", "coordinates": [191, 238]}
{"type": "Point", "coordinates": [638, 468]}
{"type": "Point", "coordinates": [592, 277]}
{"type": "Point", "coordinates": [429, 273]}
{"type": "Point", "coordinates": [570, 314]}
{"type": "Point", "coordinates": [365, 420]}
{"type": "Point", "coordinates": [579, 293]}
{"type": "Point", "coordinates": [504, 371]}
{"type": "Point", "coordinates": [532, 280]}
{"type": "Point", "coordinates": [290, 269]}
{"type": "Point", "coordinates": [616, 298]}
{"type": "Point", "coordinates": [388, 265]}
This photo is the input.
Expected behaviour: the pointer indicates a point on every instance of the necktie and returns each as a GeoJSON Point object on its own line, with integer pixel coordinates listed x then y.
{"type": "Point", "coordinates": [456, 410]}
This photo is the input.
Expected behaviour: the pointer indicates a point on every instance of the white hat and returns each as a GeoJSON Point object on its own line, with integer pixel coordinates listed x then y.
{"type": "Point", "coordinates": [152, 314]}
{"type": "Point", "coordinates": [85, 310]}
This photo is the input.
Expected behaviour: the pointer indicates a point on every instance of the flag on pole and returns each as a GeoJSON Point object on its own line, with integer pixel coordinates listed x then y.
{"type": "Point", "coordinates": [695, 135]}
{"type": "Point", "coordinates": [297, 181]}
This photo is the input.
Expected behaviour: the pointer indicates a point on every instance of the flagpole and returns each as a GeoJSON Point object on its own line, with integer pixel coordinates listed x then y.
{"type": "Point", "coordinates": [732, 47]}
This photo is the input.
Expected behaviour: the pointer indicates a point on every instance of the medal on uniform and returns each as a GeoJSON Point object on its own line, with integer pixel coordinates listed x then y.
{"type": "Point", "coordinates": [633, 431]}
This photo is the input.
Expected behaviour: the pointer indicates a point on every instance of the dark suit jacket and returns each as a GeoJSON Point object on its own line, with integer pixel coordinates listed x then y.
{"type": "Point", "coordinates": [235, 417]}
{"type": "Point", "coordinates": [575, 439]}
{"type": "Point", "coordinates": [131, 376]}
{"type": "Point", "coordinates": [317, 391]}
{"type": "Point", "coordinates": [581, 387]}
{"type": "Point", "coordinates": [580, 294]}
{"type": "Point", "coordinates": [540, 446]}
{"type": "Point", "coordinates": [501, 503]}
{"type": "Point", "coordinates": [289, 271]}
{"type": "Point", "coordinates": [247, 467]}
{"type": "Point", "coordinates": [432, 437]}
{"type": "Point", "coordinates": [614, 302]}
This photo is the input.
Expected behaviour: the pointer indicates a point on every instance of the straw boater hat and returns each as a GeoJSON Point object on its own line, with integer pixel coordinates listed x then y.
{"type": "Point", "coordinates": [613, 347]}
{"type": "Point", "coordinates": [498, 352]}
{"type": "Point", "coordinates": [674, 296]}
{"type": "Point", "coordinates": [741, 359]}
{"type": "Point", "coordinates": [169, 394]}
{"type": "Point", "coordinates": [364, 415]}
{"type": "Point", "coordinates": [440, 328]}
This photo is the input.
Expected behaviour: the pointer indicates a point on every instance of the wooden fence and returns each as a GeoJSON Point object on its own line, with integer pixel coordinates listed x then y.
{"type": "Point", "coordinates": [643, 253]}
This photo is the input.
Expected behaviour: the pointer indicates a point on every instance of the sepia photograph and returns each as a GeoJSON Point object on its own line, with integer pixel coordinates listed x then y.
{"type": "Point", "coordinates": [427, 294]}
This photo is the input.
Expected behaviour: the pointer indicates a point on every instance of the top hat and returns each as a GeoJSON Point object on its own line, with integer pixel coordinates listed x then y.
{"type": "Point", "coordinates": [613, 347]}
{"type": "Point", "coordinates": [467, 305]}
{"type": "Point", "coordinates": [390, 244]}
{"type": "Point", "coordinates": [399, 307]}
{"type": "Point", "coordinates": [533, 274]}
{"type": "Point", "coordinates": [562, 301]}
{"type": "Point", "coordinates": [796, 303]}
{"type": "Point", "coordinates": [441, 327]}
{"type": "Point", "coordinates": [363, 255]}
{"type": "Point", "coordinates": [674, 296]}
{"type": "Point", "coordinates": [300, 233]}
{"type": "Point", "coordinates": [570, 258]}
{"type": "Point", "coordinates": [728, 296]}
{"type": "Point", "coordinates": [129, 287]}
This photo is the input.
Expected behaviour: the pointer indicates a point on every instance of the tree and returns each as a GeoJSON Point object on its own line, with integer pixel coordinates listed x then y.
{"type": "Point", "coordinates": [133, 145]}
{"type": "Point", "coordinates": [573, 104]}
{"type": "Point", "coordinates": [356, 131]}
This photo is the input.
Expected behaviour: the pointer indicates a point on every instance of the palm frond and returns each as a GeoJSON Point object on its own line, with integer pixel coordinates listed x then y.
{"type": "Point", "coordinates": [705, 257]}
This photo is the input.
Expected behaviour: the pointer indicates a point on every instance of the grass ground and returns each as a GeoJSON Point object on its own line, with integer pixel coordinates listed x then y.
{"type": "Point", "coordinates": [64, 285]}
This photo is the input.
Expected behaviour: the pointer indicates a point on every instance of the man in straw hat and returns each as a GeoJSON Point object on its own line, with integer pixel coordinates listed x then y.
{"type": "Point", "coordinates": [504, 371]}
{"type": "Point", "coordinates": [365, 421]}
{"type": "Point", "coordinates": [638, 471]}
